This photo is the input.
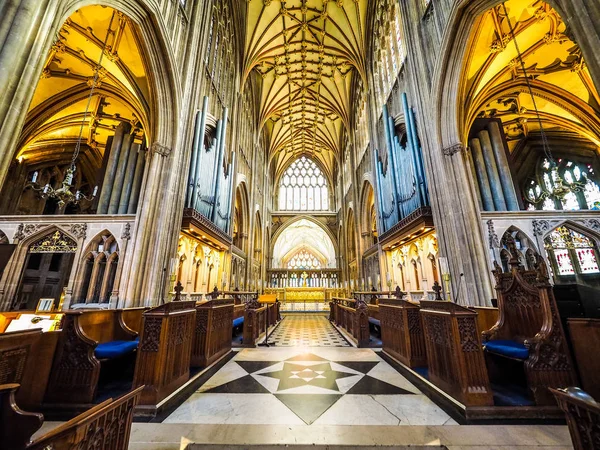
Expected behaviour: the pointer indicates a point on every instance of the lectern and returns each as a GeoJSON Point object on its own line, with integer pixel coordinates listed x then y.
{"type": "Point", "coordinates": [454, 352]}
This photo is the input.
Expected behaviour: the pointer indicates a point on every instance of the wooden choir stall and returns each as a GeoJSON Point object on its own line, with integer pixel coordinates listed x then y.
{"type": "Point", "coordinates": [353, 316]}
{"type": "Point", "coordinates": [454, 353]}
{"type": "Point", "coordinates": [528, 338]}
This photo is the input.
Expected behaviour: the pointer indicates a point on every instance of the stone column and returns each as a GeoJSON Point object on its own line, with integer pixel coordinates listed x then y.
{"type": "Point", "coordinates": [128, 181]}
{"type": "Point", "coordinates": [115, 195]}
{"type": "Point", "coordinates": [492, 170]}
{"type": "Point", "coordinates": [137, 181]}
{"type": "Point", "coordinates": [25, 33]}
{"type": "Point", "coordinates": [481, 174]}
{"type": "Point", "coordinates": [506, 179]}
{"type": "Point", "coordinates": [111, 167]}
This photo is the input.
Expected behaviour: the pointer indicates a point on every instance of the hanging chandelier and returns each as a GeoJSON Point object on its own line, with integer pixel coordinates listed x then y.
{"type": "Point", "coordinates": [559, 187]}
{"type": "Point", "coordinates": [64, 194]}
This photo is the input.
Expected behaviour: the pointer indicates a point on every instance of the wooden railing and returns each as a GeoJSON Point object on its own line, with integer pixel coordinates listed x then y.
{"type": "Point", "coordinates": [106, 426]}
{"type": "Point", "coordinates": [583, 417]}
{"type": "Point", "coordinates": [353, 316]}
{"type": "Point", "coordinates": [402, 332]}
{"type": "Point", "coordinates": [257, 317]}
{"type": "Point", "coordinates": [212, 333]}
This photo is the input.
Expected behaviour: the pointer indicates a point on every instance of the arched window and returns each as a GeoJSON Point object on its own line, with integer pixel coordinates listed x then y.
{"type": "Point", "coordinates": [547, 191]}
{"type": "Point", "coordinates": [304, 260]}
{"type": "Point", "coordinates": [303, 187]}
{"type": "Point", "coordinates": [572, 252]}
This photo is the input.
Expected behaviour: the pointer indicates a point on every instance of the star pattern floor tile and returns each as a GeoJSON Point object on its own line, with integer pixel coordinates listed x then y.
{"type": "Point", "coordinates": [307, 330]}
{"type": "Point", "coordinates": [291, 385]}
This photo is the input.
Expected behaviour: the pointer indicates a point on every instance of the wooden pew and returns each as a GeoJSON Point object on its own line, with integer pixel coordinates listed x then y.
{"type": "Point", "coordinates": [370, 297]}
{"type": "Point", "coordinates": [454, 353]}
{"type": "Point", "coordinates": [583, 417]}
{"type": "Point", "coordinates": [88, 337]}
{"type": "Point", "coordinates": [585, 339]}
{"type": "Point", "coordinates": [257, 317]}
{"type": "Point", "coordinates": [26, 359]}
{"type": "Point", "coordinates": [353, 316]}
{"type": "Point", "coordinates": [165, 350]}
{"type": "Point", "coordinates": [106, 426]}
{"type": "Point", "coordinates": [212, 332]}
{"type": "Point", "coordinates": [529, 330]}
{"type": "Point", "coordinates": [402, 332]}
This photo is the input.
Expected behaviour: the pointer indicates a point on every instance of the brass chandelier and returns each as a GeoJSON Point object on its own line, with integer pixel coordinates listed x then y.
{"type": "Point", "coordinates": [64, 194]}
{"type": "Point", "coordinates": [559, 188]}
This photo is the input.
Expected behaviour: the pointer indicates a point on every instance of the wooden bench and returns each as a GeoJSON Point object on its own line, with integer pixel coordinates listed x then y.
{"type": "Point", "coordinates": [583, 417]}
{"type": "Point", "coordinates": [106, 426]}
{"type": "Point", "coordinates": [402, 331]}
{"type": "Point", "coordinates": [164, 353]}
{"type": "Point", "coordinates": [529, 331]}
{"type": "Point", "coordinates": [585, 340]}
{"type": "Point", "coordinates": [212, 333]}
{"type": "Point", "coordinates": [353, 316]}
{"type": "Point", "coordinates": [87, 338]}
{"type": "Point", "coordinates": [26, 359]}
{"type": "Point", "coordinates": [240, 298]}
{"type": "Point", "coordinates": [454, 354]}
{"type": "Point", "coordinates": [257, 318]}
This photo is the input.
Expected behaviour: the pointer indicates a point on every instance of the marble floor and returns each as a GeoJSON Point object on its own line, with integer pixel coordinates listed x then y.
{"type": "Point", "coordinates": [306, 386]}
{"type": "Point", "coordinates": [307, 330]}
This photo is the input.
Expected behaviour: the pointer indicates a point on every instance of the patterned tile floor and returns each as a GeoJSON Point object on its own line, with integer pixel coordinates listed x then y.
{"type": "Point", "coordinates": [306, 386]}
{"type": "Point", "coordinates": [307, 330]}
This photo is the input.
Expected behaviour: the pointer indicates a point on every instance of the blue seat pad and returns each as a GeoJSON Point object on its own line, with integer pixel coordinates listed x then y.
{"type": "Point", "coordinates": [512, 349]}
{"type": "Point", "coordinates": [237, 322]}
{"type": "Point", "coordinates": [114, 349]}
{"type": "Point", "coordinates": [374, 321]}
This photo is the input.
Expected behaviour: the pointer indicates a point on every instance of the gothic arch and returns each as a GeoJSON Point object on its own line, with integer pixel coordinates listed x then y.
{"type": "Point", "coordinates": [297, 218]}
{"type": "Point", "coordinates": [449, 83]}
{"type": "Point", "coordinates": [368, 214]}
{"type": "Point", "coordinates": [241, 218]}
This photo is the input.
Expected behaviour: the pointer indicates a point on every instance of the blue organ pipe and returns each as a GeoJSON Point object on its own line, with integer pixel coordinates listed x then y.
{"type": "Point", "coordinates": [423, 184]}
{"type": "Point", "coordinates": [394, 168]}
{"type": "Point", "coordinates": [232, 176]}
{"type": "Point", "coordinates": [200, 134]}
{"type": "Point", "coordinates": [193, 162]}
{"type": "Point", "coordinates": [219, 159]}
{"type": "Point", "coordinates": [379, 187]}
{"type": "Point", "coordinates": [413, 149]}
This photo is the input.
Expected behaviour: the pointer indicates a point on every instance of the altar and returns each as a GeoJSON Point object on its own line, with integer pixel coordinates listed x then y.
{"type": "Point", "coordinates": [304, 299]}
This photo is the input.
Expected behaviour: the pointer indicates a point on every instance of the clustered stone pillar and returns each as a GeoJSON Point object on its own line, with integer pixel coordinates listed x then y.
{"type": "Point", "coordinates": [123, 176]}
{"type": "Point", "coordinates": [492, 170]}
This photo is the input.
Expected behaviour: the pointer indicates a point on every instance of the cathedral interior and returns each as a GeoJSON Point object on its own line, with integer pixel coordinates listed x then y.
{"type": "Point", "coordinates": [336, 224]}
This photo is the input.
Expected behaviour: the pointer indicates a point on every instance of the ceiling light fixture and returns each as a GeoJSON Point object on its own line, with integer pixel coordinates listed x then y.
{"type": "Point", "coordinates": [64, 195]}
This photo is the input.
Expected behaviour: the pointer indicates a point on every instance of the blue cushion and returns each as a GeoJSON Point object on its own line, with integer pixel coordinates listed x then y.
{"type": "Point", "coordinates": [114, 349]}
{"type": "Point", "coordinates": [374, 321]}
{"type": "Point", "coordinates": [237, 322]}
{"type": "Point", "coordinates": [512, 349]}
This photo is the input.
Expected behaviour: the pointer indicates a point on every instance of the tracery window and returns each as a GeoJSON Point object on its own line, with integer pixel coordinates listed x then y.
{"type": "Point", "coordinates": [546, 192]}
{"type": "Point", "coordinates": [572, 252]}
{"type": "Point", "coordinates": [220, 49]}
{"type": "Point", "coordinates": [304, 260]}
{"type": "Point", "coordinates": [303, 187]}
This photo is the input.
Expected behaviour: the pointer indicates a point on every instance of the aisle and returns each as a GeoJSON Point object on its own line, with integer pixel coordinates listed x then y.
{"type": "Point", "coordinates": [304, 386]}
{"type": "Point", "coordinates": [307, 330]}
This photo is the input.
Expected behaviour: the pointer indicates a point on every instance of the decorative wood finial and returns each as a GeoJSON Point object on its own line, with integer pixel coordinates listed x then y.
{"type": "Point", "coordinates": [437, 289]}
{"type": "Point", "coordinates": [178, 289]}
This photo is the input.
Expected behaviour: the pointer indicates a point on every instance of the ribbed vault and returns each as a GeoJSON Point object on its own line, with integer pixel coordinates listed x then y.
{"type": "Point", "coordinates": [307, 53]}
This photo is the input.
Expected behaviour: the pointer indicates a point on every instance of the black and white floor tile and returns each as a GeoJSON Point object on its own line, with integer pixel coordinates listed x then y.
{"type": "Point", "coordinates": [302, 386]}
{"type": "Point", "coordinates": [307, 330]}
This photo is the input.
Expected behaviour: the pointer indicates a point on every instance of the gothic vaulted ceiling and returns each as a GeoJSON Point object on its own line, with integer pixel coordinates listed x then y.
{"type": "Point", "coordinates": [307, 53]}
{"type": "Point", "coordinates": [58, 107]}
{"type": "Point", "coordinates": [562, 86]}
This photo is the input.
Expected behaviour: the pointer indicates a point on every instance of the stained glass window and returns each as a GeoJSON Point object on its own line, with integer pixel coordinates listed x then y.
{"type": "Point", "coordinates": [304, 260]}
{"type": "Point", "coordinates": [567, 185]}
{"type": "Point", "coordinates": [565, 244]}
{"type": "Point", "coordinates": [303, 187]}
